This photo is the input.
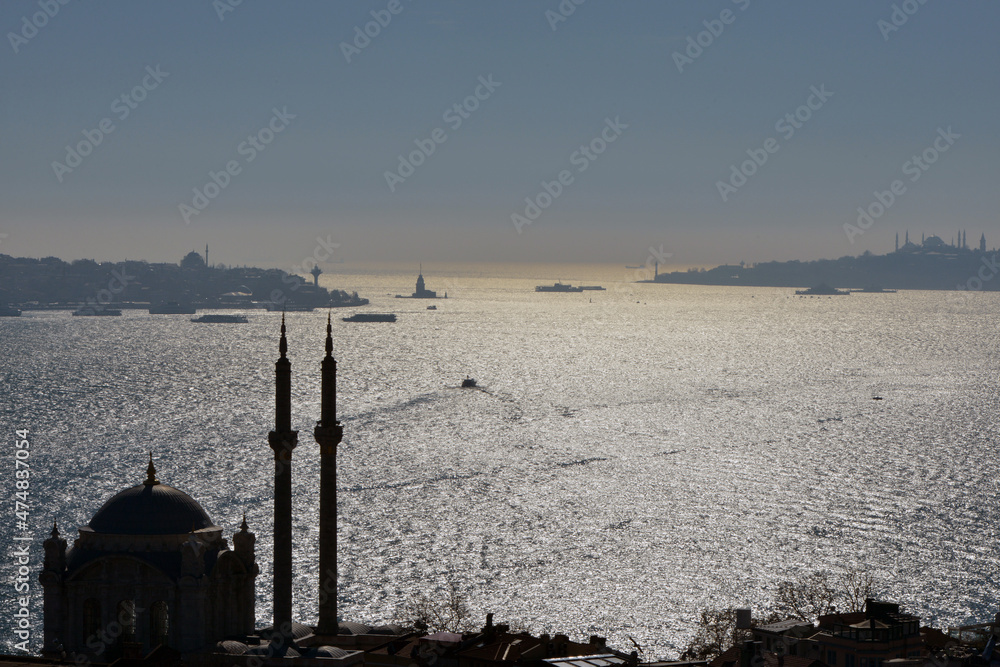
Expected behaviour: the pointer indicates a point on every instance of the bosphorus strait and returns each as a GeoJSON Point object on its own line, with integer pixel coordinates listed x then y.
{"type": "Point", "coordinates": [629, 456]}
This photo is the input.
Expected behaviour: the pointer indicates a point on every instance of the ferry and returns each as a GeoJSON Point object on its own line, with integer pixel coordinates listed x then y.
{"type": "Point", "coordinates": [558, 287]}
{"type": "Point", "coordinates": [218, 318]}
{"type": "Point", "coordinates": [371, 317]}
{"type": "Point", "coordinates": [822, 290]}
{"type": "Point", "coordinates": [875, 289]}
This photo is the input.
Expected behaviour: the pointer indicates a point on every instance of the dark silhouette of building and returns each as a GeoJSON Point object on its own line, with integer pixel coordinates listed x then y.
{"type": "Point", "coordinates": [283, 440]}
{"type": "Point", "coordinates": [421, 292]}
{"type": "Point", "coordinates": [328, 434]}
{"type": "Point", "coordinates": [150, 568]}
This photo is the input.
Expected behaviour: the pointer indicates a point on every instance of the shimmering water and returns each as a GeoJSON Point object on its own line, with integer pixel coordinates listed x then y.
{"type": "Point", "coordinates": [633, 456]}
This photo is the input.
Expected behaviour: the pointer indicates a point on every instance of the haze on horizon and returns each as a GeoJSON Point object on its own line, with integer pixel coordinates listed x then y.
{"type": "Point", "coordinates": [309, 115]}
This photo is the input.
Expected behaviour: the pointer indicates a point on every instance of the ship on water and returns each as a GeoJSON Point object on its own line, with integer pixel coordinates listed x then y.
{"type": "Point", "coordinates": [874, 289]}
{"type": "Point", "coordinates": [822, 290]}
{"type": "Point", "coordinates": [220, 318]}
{"type": "Point", "coordinates": [558, 287]}
{"type": "Point", "coordinates": [88, 311]}
{"type": "Point", "coordinates": [371, 317]}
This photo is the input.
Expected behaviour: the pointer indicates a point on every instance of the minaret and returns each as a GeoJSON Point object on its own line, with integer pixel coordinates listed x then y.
{"type": "Point", "coordinates": [897, 241]}
{"type": "Point", "coordinates": [907, 236]}
{"type": "Point", "coordinates": [982, 243]}
{"type": "Point", "coordinates": [283, 440]}
{"type": "Point", "coordinates": [207, 265]}
{"type": "Point", "coordinates": [328, 434]}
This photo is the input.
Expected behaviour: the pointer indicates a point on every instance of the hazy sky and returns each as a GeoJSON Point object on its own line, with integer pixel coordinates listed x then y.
{"type": "Point", "coordinates": [643, 124]}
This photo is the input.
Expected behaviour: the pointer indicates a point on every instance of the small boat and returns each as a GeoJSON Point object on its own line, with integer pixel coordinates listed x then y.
{"type": "Point", "coordinates": [172, 308]}
{"type": "Point", "coordinates": [98, 311]}
{"type": "Point", "coordinates": [219, 318]}
{"type": "Point", "coordinates": [432, 307]}
{"type": "Point", "coordinates": [371, 317]}
{"type": "Point", "coordinates": [593, 287]}
{"type": "Point", "coordinates": [468, 382]}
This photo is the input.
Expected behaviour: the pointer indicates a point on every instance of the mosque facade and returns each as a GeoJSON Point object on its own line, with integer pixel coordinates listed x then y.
{"type": "Point", "coordinates": [150, 568]}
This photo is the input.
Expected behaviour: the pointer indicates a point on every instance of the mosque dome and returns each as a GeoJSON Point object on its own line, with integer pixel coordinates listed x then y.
{"type": "Point", "coordinates": [150, 508]}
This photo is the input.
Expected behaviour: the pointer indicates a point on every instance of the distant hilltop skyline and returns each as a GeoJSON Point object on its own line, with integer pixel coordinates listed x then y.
{"type": "Point", "coordinates": [933, 264]}
{"type": "Point", "coordinates": [324, 252]}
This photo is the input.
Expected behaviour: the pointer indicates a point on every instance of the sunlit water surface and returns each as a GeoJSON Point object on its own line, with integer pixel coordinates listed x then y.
{"type": "Point", "coordinates": [632, 456]}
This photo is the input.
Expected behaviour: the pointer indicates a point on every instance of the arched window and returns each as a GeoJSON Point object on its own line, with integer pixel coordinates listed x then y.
{"type": "Point", "coordinates": [159, 623]}
{"type": "Point", "coordinates": [91, 618]}
{"type": "Point", "coordinates": [126, 617]}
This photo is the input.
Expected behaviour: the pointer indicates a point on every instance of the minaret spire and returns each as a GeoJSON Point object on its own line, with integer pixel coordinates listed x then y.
{"type": "Point", "coordinates": [151, 473]}
{"type": "Point", "coordinates": [328, 435]}
{"type": "Point", "coordinates": [283, 440]}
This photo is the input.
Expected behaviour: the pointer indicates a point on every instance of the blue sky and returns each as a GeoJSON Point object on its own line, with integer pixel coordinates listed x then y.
{"type": "Point", "coordinates": [556, 85]}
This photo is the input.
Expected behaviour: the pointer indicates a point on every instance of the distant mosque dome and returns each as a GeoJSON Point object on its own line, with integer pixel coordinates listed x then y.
{"type": "Point", "coordinates": [150, 509]}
